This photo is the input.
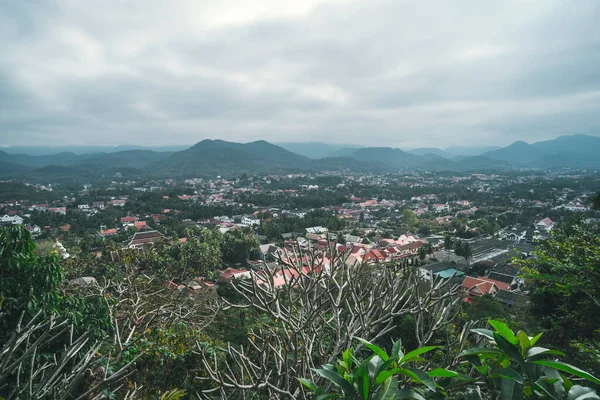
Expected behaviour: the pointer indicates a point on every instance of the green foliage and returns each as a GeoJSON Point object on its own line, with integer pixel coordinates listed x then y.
{"type": "Point", "coordinates": [564, 278]}
{"type": "Point", "coordinates": [30, 284]}
{"type": "Point", "coordinates": [382, 375]}
{"type": "Point", "coordinates": [514, 367]}
{"type": "Point", "coordinates": [510, 366]}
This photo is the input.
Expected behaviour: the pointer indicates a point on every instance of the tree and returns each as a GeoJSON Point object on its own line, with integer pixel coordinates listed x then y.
{"type": "Point", "coordinates": [448, 243]}
{"type": "Point", "coordinates": [316, 315]}
{"type": "Point", "coordinates": [237, 245]}
{"type": "Point", "coordinates": [564, 278]}
{"type": "Point", "coordinates": [409, 217]}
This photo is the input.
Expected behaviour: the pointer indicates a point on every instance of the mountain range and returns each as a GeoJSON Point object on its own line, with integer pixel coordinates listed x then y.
{"type": "Point", "coordinates": [210, 158]}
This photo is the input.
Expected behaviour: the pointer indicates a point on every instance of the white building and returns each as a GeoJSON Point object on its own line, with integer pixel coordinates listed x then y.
{"type": "Point", "coordinates": [11, 220]}
{"type": "Point", "coordinates": [250, 220]}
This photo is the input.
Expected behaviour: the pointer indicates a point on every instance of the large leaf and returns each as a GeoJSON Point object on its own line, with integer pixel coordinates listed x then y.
{"type": "Point", "coordinates": [534, 339]}
{"type": "Point", "coordinates": [425, 379]}
{"type": "Point", "coordinates": [374, 366]}
{"type": "Point", "coordinates": [581, 393]}
{"type": "Point", "coordinates": [546, 389]}
{"type": "Point", "coordinates": [507, 373]}
{"type": "Point", "coordinates": [364, 386]}
{"type": "Point", "coordinates": [416, 353]}
{"type": "Point", "coordinates": [484, 352]}
{"type": "Point", "coordinates": [508, 348]}
{"type": "Point", "coordinates": [510, 390]}
{"type": "Point", "coordinates": [504, 331]}
{"type": "Point", "coordinates": [408, 394]}
{"type": "Point", "coordinates": [375, 349]}
{"type": "Point", "coordinates": [308, 383]}
{"type": "Point", "coordinates": [441, 372]}
{"type": "Point", "coordinates": [397, 349]}
{"type": "Point", "coordinates": [524, 342]}
{"type": "Point", "coordinates": [568, 369]}
{"type": "Point", "coordinates": [387, 391]}
{"type": "Point", "coordinates": [336, 379]}
{"type": "Point", "coordinates": [483, 332]}
{"type": "Point", "coordinates": [540, 351]}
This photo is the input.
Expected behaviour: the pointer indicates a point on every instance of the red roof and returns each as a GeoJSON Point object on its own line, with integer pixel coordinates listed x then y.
{"type": "Point", "coordinates": [127, 219]}
{"type": "Point", "coordinates": [108, 232]}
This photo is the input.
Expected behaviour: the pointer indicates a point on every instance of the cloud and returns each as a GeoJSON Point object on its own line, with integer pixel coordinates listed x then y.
{"type": "Point", "coordinates": [372, 72]}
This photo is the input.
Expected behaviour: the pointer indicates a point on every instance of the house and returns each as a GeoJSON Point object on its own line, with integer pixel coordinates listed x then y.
{"type": "Point", "coordinates": [118, 203]}
{"type": "Point", "coordinates": [547, 224]}
{"type": "Point", "coordinates": [350, 239]}
{"type": "Point", "coordinates": [11, 220]}
{"type": "Point", "coordinates": [84, 207]}
{"type": "Point", "coordinates": [140, 225]}
{"type": "Point", "coordinates": [317, 230]}
{"type": "Point", "coordinates": [511, 299]}
{"type": "Point", "coordinates": [98, 205]}
{"type": "Point", "coordinates": [505, 278]}
{"type": "Point", "coordinates": [441, 207]}
{"type": "Point", "coordinates": [128, 220]}
{"type": "Point", "coordinates": [39, 207]}
{"type": "Point", "coordinates": [139, 239]}
{"type": "Point", "coordinates": [438, 270]}
{"type": "Point", "coordinates": [481, 286]}
{"type": "Point", "coordinates": [268, 251]}
{"type": "Point", "coordinates": [250, 220]}
{"type": "Point", "coordinates": [108, 232]}
{"type": "Point", "coordinates": [58, 210]}
{"type": "Point", "coordinates": [231, 273]}
{"type": "Point", "coordinates": [478, 287]}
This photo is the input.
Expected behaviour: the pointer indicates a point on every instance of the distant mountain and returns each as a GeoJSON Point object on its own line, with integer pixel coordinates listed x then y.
{"type": "Point", "coordinates": [9, 169]}
{"type": "Point", "coordinates": [456, 151]}
{"type": "Point", "coordinates": [316, 150]}
{"type": "Point", "coordinates": [429, 150]}
{"type": "Point", "coordinates": [519, 152]}
{"type": "Point", "coordinates": [48, 150]}
{"type": "Point", "coordinates": [125, 159]}
{"type": "Point", "coordinates": [575, 151]}
{"type": "Point", "coordinates": [218, 157]}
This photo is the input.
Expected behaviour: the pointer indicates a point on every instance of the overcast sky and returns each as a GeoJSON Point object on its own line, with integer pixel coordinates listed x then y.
{"type": "Point", "coordinates": [378, 72]}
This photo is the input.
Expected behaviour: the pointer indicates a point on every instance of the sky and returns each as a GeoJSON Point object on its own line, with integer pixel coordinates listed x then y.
{"type": "Point", "coordinates": [423, 73]}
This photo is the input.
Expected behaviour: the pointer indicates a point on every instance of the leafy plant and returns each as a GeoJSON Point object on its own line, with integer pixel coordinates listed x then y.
{"type": "Point", "coordinates": [514, 367]}
{"type": "Point", "coordinates": [381, 376]}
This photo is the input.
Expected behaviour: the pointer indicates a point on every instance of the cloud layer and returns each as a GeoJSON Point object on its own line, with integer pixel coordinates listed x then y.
{"type": "Point", "coordinates": [379, 72]}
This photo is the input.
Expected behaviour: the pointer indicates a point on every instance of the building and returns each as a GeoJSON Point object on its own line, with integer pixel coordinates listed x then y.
{"type": "Point", "coordinates": [250, 220]}
{"type": "Point", "coordinates": [139, 239]}
{"type": "Point", "coordinates": [11, 220]}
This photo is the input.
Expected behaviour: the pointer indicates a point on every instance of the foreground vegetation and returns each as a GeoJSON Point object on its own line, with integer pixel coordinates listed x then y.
{"type": "Point", "coordinates": [129, 335]}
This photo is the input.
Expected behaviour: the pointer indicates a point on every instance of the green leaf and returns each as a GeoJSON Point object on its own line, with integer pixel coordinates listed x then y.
{"type": "Point", "coordinates": [397, 349]}
{"type": "Point", "coordinates": [336, 379]}
{"type": "Point", "coordinates": [507, 373]}
{"type": "Point", "coordinates": [327, 396]}
{"type": "Point", "coordinates": [524, 342]}
{"type": "Point", "coordinates": [568, 369]}
{"type": "Point", "coordinates": [510, 390]}
{"type": "Point", "coordinates": [580, 393]}
{"type": "Point", "coordinates": [508, 348]}
{"type": "Point", "coordinates": [534, 339]}
{"type": "Point", "coordinates": [408, 394]}
{"type": "Point", "coordinates": [539, 351]}
{"type": "Point", "coordinates": [387, 391]}
{"type": "Point", "coordinates": [374, 366]}
{"type": "Point", "coordinates": [483, 332]}
{"type": "Point", "coordinates": [546, 388]}
{"type": "Point", "coordinates": [441, 372]}
{"type": "Point", "coordinates": [347, 357]}
{"type": "Point", "coordinates": [484, 352]}
{"type": "Point", "coordinates": [364, 386]}
{"type": "Point", "coordinates": [415, 353]}
{"type": "Point", "coordinates": [375, 349]}
{"type": "Point", "coordinates": [308, 383]}
{"type": "Point", "coordinates": [504, 331]}
{"type": "Point", "coordinates": [424, 379]}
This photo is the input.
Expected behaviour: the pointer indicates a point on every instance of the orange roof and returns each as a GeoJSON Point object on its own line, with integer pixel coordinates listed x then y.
{"type": "Point", "coordinates": [501, 285]}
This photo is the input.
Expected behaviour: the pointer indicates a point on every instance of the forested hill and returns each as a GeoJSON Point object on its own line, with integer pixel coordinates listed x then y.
{"type": "Point", "coordinates": [210, 158]}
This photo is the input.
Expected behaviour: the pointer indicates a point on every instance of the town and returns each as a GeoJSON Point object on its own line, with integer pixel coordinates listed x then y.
{"type": "Point", "coordinates": [468, 228]}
